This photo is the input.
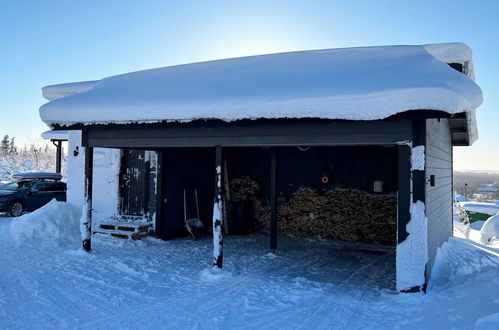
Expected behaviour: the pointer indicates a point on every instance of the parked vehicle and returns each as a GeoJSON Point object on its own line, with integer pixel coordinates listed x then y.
{"type": "Point", "coordinates": [30, 191]}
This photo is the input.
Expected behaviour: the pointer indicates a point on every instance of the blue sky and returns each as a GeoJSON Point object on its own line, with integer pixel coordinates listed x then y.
{"type": "Point", "coordinates": [48, 42]}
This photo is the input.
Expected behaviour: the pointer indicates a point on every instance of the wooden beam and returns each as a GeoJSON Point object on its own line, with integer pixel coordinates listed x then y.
{"type": "Point", "coordinates": [418, 176]}
{"type": "Point", "coordinates": [86, 217]}
{"type": "Point", "coordinates": [160, 196]}
{"type": "Point", "coordinates": [404, 191]}
{"type": "Point", "coordinates": [252, 134]}
{"type": "Point", "coordinates": [58, 157]}
{"type": "Point", "coordinates": [419, 180]}
{"type": "Point", "coordinates": [273, 199]}
{"type": "Point", "coordinates": [218, 244]}
{"type": "Point", "coordinates": [411, 193]}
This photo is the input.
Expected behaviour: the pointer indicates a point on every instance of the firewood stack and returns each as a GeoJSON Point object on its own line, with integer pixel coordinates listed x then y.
{"type": "Point", "coordinates": [344, 214]}
{"type": "Point", "coordinates": [247, 189]}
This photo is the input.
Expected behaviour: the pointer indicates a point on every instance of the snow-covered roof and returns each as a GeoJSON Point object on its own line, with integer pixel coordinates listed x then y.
{"type": "Point", "coordinates": [365, 83]}
{"type": "Point", "coordinates": [55, 135]}
{"type": "Point", "coordinates": [37, 175]}
{"type": "Point", "coordinates": [55, 92]}
{"type": "Point", "coordinates": [487, 208]}
{"type": "Point", "coordinates": [488, 189]}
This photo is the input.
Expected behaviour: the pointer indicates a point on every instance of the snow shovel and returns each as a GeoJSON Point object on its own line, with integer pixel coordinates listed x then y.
{"type": "Point", "coordinates": [194, 225]}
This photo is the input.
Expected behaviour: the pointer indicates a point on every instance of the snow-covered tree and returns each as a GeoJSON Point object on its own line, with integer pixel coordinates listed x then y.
{"type": "Point", "coordinates": [30, 158]}
{"type": "Point", "coordinates": [12, 147]}
{"type": "Point", "coordinates": [5, 146]}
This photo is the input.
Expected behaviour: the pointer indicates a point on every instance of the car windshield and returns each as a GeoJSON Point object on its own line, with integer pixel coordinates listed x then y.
{"type": "Point", "coordinates": [16, 185]}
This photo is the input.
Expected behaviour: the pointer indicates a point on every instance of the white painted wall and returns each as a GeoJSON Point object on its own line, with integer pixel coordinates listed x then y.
{"type": "Point", "coordinates": [75, 169]}
{"type": "Point", "coordinates": [105, 199]}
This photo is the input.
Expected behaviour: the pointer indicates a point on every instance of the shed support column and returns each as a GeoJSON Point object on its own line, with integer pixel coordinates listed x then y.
{"type": "Point", "coordinates": [58, 157]}
{"type": "Point", "coordinates": [419, 188]}
{"type": "Point", "coordinates": [218, 243]}
{"type": "Point", "coordinates": [404, 192]}
{"type": "Point", "coordinates": [418, 174]}
{"type": "Point", "coordinates": [160, 198]}
{"type": "Point", "coordinates": [86, 217]}
{"type": "Point", "coordinates": [412, 231]}
{"type": "Point", "coordinates": [273, 199]}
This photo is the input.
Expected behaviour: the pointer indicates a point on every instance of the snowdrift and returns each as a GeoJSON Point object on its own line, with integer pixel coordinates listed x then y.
{"type": "Point", "coordinates": [57, 222]}
{"type": "Point", "coordinates": [457, 260]}
{"type": "Point", "coordinates": [490, 230]}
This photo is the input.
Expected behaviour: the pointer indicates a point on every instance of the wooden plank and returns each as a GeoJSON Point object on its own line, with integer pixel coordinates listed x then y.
{"type": "Point", "coordinates": [439, 198]}
{"type": "Point", "coordinates": [437, 213]}
{"type": "Point", "coordinates": [437, 163]}
{"type": "Point", "coordinates": [439, 154]}
{"type": "Point", "coordinates": [452, 188]}
{"type": "Point", "coordinates": [440, 184]}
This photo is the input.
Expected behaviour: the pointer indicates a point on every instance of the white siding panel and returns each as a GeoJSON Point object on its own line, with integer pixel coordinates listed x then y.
{"type": "Point", "coordinates": [439, 197]}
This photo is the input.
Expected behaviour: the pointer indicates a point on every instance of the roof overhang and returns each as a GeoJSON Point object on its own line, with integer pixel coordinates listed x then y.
{"type": "Point", "coordinates": [56, 135]}
{"type": "Point", "coordinates": [460, 132]}
{"type": "Point", "coordinates": [354, 84]}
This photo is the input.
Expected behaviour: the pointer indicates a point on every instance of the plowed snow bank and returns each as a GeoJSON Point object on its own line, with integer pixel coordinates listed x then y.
{"type": "Point", "coordinates": [55, 222]}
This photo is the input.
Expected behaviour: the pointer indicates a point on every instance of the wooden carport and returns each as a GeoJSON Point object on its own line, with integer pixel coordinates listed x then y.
{"type": "Point", "coordinates": [401, 131]}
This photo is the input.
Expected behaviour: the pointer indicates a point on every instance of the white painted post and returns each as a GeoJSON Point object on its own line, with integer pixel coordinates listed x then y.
{"type": "Point", "coordinates": [218, 243]}
{"type": "Point", "coordinates": [86, 216]}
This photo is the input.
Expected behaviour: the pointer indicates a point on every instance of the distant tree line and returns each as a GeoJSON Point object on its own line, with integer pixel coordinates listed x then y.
{"type": "Point", "coordinates": [8, 146]}
{"type": "Point", "coordinates": [29, 158]}
{"type": "Point", "coordinates": [473, 181]}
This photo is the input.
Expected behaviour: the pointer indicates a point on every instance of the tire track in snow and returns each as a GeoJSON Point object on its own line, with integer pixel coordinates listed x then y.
{"type": "Point", "coordinates": [180, 301]}
{"type": "Point", "coordinates": [343, 306]}
{"type": "Point", "coordinates": [367, 280]}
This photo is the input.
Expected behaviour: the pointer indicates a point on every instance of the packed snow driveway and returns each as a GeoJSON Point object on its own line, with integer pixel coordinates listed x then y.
{"type": "Point", "coordinates": [170, 284]}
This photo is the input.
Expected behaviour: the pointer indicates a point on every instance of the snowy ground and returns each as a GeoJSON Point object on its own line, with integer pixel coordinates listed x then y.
{"type": "Point", "coordinates": [305, 284]}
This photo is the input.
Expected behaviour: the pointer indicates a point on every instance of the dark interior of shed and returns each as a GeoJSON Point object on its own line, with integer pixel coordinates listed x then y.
{"type": "Point", "coordinates": [345, 193]}
{"type": "Point", "coordinates": [189, 170]}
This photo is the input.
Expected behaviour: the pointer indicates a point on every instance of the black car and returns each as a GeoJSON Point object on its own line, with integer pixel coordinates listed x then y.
{"type": "Point", "coordinates": [30, 191]}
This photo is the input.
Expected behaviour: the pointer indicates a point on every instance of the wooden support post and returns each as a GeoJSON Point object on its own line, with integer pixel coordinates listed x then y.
{"type": "Point", "coordinates": [218, 244]}
{"type": "Point", "coordinates": [404, 192]}
{"type": "Point", "coordinates": [58, 157]}
{"type": "Point", "coordinates": [419, 184]}
{"type": "Point", "coordinates": [86, 217]}
{"type": "Point", "coordinates": [273, 199]}
{"type": "Point", "coordinates": [418, 175]}
{"type": "Point", "coordinates": [160, 197]}
{"type": "Point", "coordinates": [412, 249]}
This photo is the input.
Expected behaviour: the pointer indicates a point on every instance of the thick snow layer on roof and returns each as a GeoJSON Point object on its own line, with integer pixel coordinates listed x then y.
{"type": "Point", "coordinates": [487, 189]}
{"type": "Point", "coordinates": [352, 83]}
{"type": "Point", "coordinates": [54, 92]}
{"type": "Point", "coordinates": [487, 208]}
{"type": "Point", "coordinates": [490, 230]}
{"type": "Point", "coordinates": [452, 52]}
{"type": "Point", "coordinates": [55, 135]}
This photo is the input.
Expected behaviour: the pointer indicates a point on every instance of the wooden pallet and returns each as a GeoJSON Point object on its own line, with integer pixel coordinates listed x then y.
{"type": "Point", "coordinates": [123, 230]}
